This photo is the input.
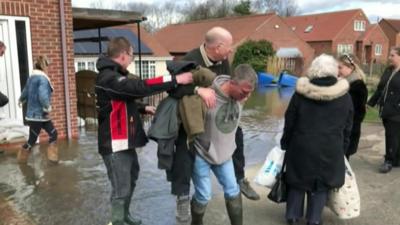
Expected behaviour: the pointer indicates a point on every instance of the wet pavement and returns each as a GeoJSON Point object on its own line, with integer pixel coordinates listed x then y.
{"type": "Point", "coordinates": [76, 191]}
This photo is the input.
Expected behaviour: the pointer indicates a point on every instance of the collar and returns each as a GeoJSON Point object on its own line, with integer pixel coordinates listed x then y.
{"type": "Point", "coordinates": [321, 93]}
{"type": "Point", "coordinates": [206, 60]}
{"type": "Point", "coordinates": [41, 73]}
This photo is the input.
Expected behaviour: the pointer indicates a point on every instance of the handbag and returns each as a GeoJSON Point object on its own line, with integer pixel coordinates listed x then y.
{"type": "Point", "coordinates": [278, 192]}
{"type": "Point", "coordinates": [345, 201]}
{"type": "Point", "coordinates": [267, 174]}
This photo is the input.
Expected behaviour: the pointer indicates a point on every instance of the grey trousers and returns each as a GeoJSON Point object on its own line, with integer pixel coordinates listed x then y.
{"type": "Point", "coordinates": [315, 204]}
{"type": "Point", "coordinates": [123, 171]}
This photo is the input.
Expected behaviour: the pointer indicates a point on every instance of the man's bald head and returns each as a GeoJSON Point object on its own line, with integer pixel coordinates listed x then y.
{"type": "Point", "coordinates": [217, 35]}
{"type": "Point", "coordinates": [218, 43]}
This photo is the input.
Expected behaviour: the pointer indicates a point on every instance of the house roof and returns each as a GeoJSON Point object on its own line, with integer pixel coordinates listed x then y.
{"type": "Point", "coordinates": [181, 38]}
{"type": "Point", "coordinates": [394, 23]}
{"type": "Point", "coordinates": [86, 42]}
{"type": "Point", "coordinates": [369, 30]}
{"type": "Point", "coordinates": [157, 49]}
{"type": "Point", "coordinates": [322, 27]}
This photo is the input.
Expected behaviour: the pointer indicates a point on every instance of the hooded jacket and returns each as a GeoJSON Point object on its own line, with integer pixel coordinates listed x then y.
{"type": "Point", "coordinates": [217, 144]}
{"type": "Point", "coordinates": [316, 134]}
{"type": "Point", "coordinates": [120, 126]}
{"type": "Point", "coordinates": [37, 95]}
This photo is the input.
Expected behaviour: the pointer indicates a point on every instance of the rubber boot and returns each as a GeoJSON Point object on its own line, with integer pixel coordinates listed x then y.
{"type": "Point", "coordinates": [117, 212]}
{"type": "Point", "coordinates": [235, 210]}
{"type": "Point", "coordinates": [182, 214]}
{"type": "Point", "coordinates": [128, 218]}
{"type": "Point", "coordinates": [23, 155]}
{"type": "Point", "coordinates": [52, 153]}
{"type": "Point", "coordinates": [197, 211]}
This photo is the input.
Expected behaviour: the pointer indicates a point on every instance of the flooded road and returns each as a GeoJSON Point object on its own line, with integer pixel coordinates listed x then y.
{"type": "Point", "coordinates": [76, 192]}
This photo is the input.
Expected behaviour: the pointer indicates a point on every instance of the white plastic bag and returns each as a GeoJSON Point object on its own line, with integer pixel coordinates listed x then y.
{"type": "Point", "coordinates": [266, 176]}
{"type": "Point", "coordinates": [345, 201]}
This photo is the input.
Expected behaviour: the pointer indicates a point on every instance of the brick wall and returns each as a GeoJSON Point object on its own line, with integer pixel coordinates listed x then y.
{"type": "Point", "coordinates": [321, 47]}
{"type": "Point", "coordinates": [390, 32]}
{"type": "Point", "coordinates": [45, 25]}
{"type": "Point", "coordinates": [377, 36]}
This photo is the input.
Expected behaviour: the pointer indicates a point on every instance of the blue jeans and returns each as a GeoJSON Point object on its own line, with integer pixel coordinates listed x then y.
{"type": "Point", "coordinates": [202, 179]}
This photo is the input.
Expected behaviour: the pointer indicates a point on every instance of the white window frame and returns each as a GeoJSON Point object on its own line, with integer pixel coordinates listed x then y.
{"type": "Point", "coordinates": [378, 49]}
{"type": "Point", "coordinates": [12, 54]}
{"type": "Point", "coordinates": [359, 25]}
{"type": "Point", "coordinates": [344, 48]}
{"type": "Point", "coordinates": [148, 68]}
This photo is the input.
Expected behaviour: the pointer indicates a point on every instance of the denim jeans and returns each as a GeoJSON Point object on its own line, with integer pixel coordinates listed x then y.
{"type": "Point", "coordinates": [123, 171]}
{"type": "Point", "coordinates": [202, 179]}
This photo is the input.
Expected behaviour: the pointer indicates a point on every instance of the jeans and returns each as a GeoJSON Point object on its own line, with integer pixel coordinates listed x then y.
{"type": "Point", "coordinates": [34, 131]}
{"type": "Point", "coordinates": [183, 160]}
{"type": "Point", "coordinates": [123, 171]}
{"type": "Point", "coordinates": [202, 179]}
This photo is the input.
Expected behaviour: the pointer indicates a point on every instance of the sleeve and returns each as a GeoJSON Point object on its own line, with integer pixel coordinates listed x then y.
{"type": "Point", "coordinates": [379, 91]}
{"type": "Point", "coordinates": [121, 88]}
{"type": "Point", "coordinates": [141, 106]}
{"type": "Point", "coordinates": [44, 94]}
{"type": "Point", "coordinates": [3, 100]}
{"type": "Point", "coordinates": [290, 122]}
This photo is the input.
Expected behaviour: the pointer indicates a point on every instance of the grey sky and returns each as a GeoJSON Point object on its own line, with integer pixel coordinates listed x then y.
{"type": "Point", "coordinates": [372, 8]}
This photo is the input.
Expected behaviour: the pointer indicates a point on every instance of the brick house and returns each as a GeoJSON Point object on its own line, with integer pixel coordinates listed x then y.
{"type": "Point", "coordinates": [179, 39]}
{"type": "Point", "coordinates": [391, 27]}
{"type": "Point", "coordinates": [30, 28]}
{"type": "Point", "coordinates": [342, 32]}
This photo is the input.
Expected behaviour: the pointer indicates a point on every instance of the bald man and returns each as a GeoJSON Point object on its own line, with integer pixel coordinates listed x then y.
{"type": "Point", "coordinates": [213, 54]}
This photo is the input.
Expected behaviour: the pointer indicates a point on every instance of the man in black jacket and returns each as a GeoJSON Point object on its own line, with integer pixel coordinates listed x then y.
{"type": "Point", "coordinates": [120, 128]}
{"type": "Point", "coordinates": [212, 54]}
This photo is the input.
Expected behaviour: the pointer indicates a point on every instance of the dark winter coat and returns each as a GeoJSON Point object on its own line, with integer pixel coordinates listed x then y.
{"type": "Point", "coordinates": [120, 126]}
{"type": "Point", "coordinates": [359, 95]}
{"type": "Point", "coordinates": [389, 105]}
{"type": "Point", "coordinates": [317, 128]}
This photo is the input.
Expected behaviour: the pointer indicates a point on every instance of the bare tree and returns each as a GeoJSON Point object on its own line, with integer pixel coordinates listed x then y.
{"type": "Point", "coordinates": [209, 9]}
{"type": "Point", "coordinates": [283, 8]}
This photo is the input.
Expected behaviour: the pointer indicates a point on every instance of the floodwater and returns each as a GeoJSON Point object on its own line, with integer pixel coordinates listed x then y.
{"type": "Point", "coordinates": [76, 191]}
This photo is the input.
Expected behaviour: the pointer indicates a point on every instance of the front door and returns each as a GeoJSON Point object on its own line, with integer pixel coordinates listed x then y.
{"type": "Point", "coordinates": [15, 63]}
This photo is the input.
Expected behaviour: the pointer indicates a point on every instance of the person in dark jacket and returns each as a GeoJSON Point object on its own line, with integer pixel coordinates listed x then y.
{"type": "Point", "coordinates": [37, 95]}
{"type": "Point", "coordinates": [349, 69]}
{"type": "Point", "coordinates": [316, 135]}
{"type": "Point", "coordinates": [212, 54]}
{"type": "Point", "coordinates": [120, 128]}
{"type": "Point", "coordinates": [387, 97]}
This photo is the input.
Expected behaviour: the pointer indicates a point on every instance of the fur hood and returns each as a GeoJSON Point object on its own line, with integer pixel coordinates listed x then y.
{"type": "Point", "coordinates": [321, 93]}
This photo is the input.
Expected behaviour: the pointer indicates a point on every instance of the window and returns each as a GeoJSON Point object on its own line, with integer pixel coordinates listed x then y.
{"type": "Point", "coordinates": [359, 25]}
{"type": "Point", "coordinates": [378, 49]}
{"type": "Point", "coordinates": [308, 29]}
{"type": "Point", "coordinates": [81, 66]}
{"type": "Point", "coordinates": [91, 66]}
{"type": "Point", "coordinates": [344, 48]}
{"type": "Point", "coordinates": [148, 69]}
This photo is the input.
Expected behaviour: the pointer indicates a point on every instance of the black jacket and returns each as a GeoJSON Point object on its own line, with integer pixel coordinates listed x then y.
{"type": "Point", "coordinates": [359, 95]}
{"type": "Point", "coordinates": [389, 107]}
{"type": "Point", "coordinates": [195, 55]}
{"type": "Point", "coordinates": [317, 129]}
{"type": "Point", "coordinates": [120, 126]}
